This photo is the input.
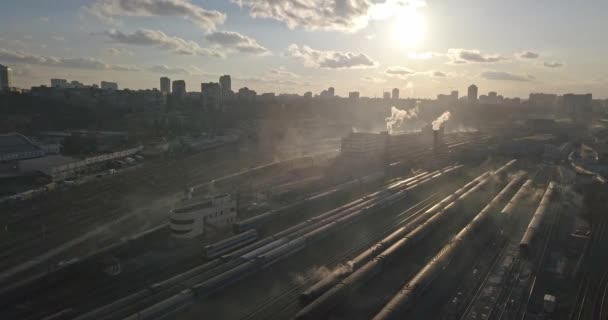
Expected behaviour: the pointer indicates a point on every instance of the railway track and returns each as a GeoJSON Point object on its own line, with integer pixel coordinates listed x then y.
{"type": "Point", "coordinates": [139, 301]}
{"type": "Point", "coordinates": [592, 294]}
{"type": "Point", "coordinates": [285, 304]}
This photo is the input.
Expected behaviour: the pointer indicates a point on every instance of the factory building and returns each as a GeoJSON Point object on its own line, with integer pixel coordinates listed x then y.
{"type": "Point", "coordinates": [363, 145]}
{"type": "Point", "coordinates": [192, 220]}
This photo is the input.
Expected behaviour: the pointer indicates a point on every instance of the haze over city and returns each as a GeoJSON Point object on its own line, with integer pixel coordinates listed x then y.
{"type": "Point", "coordinates": [422, 47]}
{"type": "Point", "coordinates": [303, 159]}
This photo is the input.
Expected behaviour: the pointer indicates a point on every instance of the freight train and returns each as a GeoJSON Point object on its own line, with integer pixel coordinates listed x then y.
{"type": "Point", "coordinates": [406, 298]}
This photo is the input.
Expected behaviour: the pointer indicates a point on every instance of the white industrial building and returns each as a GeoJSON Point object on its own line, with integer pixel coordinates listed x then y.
{"type": "Point", "coordinates": [192, 220]}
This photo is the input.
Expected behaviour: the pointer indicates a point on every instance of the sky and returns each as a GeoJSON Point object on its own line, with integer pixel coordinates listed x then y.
{"type": "Point", "coordinates": [424, 48]}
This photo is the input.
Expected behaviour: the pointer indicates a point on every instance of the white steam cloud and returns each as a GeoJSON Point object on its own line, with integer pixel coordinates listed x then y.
{"type": "Point", "coordinates": [441, 120]}
{"type": "Point", "coordinates": [398, 117]}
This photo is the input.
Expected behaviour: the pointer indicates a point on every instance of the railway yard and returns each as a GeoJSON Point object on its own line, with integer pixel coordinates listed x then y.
{"type": "Point", "coordinates": [453, 226]}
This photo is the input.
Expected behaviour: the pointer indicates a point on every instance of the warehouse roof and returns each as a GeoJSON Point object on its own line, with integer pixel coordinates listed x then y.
{"type": "Point", "coordinates": [15, 142]}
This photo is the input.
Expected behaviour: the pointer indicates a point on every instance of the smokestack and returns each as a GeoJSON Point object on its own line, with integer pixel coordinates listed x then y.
{"type": "Point", "coordinates": [435, 139]}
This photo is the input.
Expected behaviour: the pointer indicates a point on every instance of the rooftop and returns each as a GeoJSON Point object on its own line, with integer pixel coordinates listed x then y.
{"type": "Point", "coordinates": [15, 142]}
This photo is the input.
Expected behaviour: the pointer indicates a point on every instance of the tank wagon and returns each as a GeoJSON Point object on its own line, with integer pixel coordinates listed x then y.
{"type": "Point", "coordinates": [421, 282]}
{"type": "Point", "coordinates": [537, 219]}
{"type": "Point", "coordinates": [365, 272]}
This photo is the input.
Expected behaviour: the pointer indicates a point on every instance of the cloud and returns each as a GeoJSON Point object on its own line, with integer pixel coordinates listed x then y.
{"type": "Point", "coordinates": [76, 63]}
{"type": "Point", "coordinates": [235, 41]}
{"type": "Point", "coordinates": [528, 55]}
{"type": "Point", "coordinates": [373, 79]}
{"type": "Point", "coordinates": [553, 64]}
{"type": "Point", "coordinates": [343, 15]}
{"type": "Point", "coordinates": [168, 70]}
{"type": "Point", "coordinates": [397, 71]}
{"type": "Point", "coordinates": [58, 38]}
{"type": "Point", "coordinates": [159, 39]}
{"type": "Point", "coordinates": [269, 80]}
{"type": "Point", "coordinates": [330, 59]}
{"type": "Point", "coordinates": [422, 55]}
{"type": "Point", "coordinates": [205, 19]}
{"type": "Point", "coordinates": [404, 73]}
{"type": "Point", "coordinates": [504, 76]}
{"type": "Point", "coordinates": [460, 56]}
{"type": "Point", "coordinates": [119, 51]}
{"type": "Point", "coordinates": [125, 68]}
{"type": "Point", "coordinates": [282, 72]}
{"type": "Point", "coordinates": [191, 70]}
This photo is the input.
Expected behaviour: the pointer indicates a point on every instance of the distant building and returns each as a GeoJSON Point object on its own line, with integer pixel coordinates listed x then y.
{"type": "Point", "coordinates": [472, 93]}
{"type": "Point", "coordinates": [395, 94]}
{"type": "Point", "coordinates": [226, 83]}
{"type": "Point", "coordinates": [165, 85]}
{"type": "Point", "coordinates": [59, 83]}
{"type": "Point", "coordinates": [245, 94]}
{"type": "Point", "coordinates": [267, 97]}
{"type": "Point", "coordinates": [542, 100]}
{"type": "Point", "coordinates": [308, 95]}
{"type": "Point", "coordinates": [353, 95]}
{"type": "Point", "coordinates": [331, 92]}
{"type": "Point", "coordinates": [386, 95]}
{"type": "Point", "coordinates": [211, 95]}
{"type": "Point", "coordinates": [179, 88]}
{"type": "Point", "coordinates": [579, 106]}
{"type": "Point", "coordinates": [106, 85]}
{"type": "Point", "coordinates": [192, 220]}
{"type": "Point", "coordinates": [448, 99]}
{"type": "Point", "coordinates": [5, 78]}
{"type": "Point", "coordinates": [77, 84]}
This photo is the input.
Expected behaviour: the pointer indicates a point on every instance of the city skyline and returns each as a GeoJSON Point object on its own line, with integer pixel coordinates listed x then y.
{"type": "Point", "coordinates": [424, 48]}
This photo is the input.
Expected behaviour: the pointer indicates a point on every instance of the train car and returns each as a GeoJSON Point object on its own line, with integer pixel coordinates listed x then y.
{"type": "Point", "coordinates": [528, 239]}
{"type": "Point", "coordinates": [230, 244]}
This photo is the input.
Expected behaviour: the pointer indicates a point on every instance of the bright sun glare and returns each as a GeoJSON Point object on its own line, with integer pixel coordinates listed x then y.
{"type": "Point", "coordinates": [409, 28]}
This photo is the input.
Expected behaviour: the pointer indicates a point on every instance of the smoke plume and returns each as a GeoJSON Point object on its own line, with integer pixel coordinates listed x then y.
{"type": "Point", "coordinates": [398, 117]}
{"type": "Point", "coordinates": [441, 120]}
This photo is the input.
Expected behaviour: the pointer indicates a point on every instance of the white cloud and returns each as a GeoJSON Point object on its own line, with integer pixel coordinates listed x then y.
{"type": "Point", "coordinates": [343, 15]}
{"type": "Point", "coordinates": [399, 71]}
{"type": "Point", "coordinates": [159, 39]}
{"type": "Point", "coordinates": [405, 73]}
{"type": "Point", "coordinates": [528, 55]}
{"type": "Point", "coordinates": [191, 70]}
{"type": "Point", "coordinates": [553, 64]}
{"type": "Point", "coordinates": [119, 51]}
{"type": "Point", "coordinates": [76, 63]}
{"type": "Point", "coordinates": [205, 19]}
{"type": "Point", "coordinates": [330, 59]}
{"type": "Point", "coordinates": [505, 76]}
{"type": "Point", "coordinates": [58, 38]}
{"type": "Point", "coordinates": [282, 72]}
{"type": "Point", "coordinates": [237, 42]}
{"type": "Point", "coordinates": [461, 56]}
{"type": "Point", "coordinates": [422, 55]}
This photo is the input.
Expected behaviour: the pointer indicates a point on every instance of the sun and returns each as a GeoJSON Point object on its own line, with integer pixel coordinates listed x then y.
{"type": "Point", "coordinates": [409, 28]}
